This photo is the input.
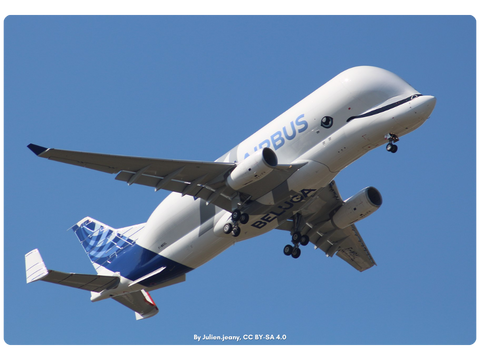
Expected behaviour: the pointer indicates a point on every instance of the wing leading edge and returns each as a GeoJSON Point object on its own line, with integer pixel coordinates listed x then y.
{"type": "Point", "coordinates": [195, 178]}
{"type": "Point", "coordinates": [205, 180]}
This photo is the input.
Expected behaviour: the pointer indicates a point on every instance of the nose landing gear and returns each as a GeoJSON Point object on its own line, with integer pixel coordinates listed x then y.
{"type": "Point", "coordinates": [392, 138]}
{"type": "Point", "coordinates": [392, 148]}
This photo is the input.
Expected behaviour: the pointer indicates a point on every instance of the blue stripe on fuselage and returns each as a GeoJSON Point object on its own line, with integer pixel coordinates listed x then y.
{"type": "Point", "coordinates": [136, 262]}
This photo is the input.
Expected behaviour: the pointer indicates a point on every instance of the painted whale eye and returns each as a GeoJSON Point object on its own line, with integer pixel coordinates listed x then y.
{"type": "Point", "coordinates": [327, 122]}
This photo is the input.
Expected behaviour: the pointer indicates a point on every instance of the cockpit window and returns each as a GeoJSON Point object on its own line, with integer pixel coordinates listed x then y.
{"type": "Point", "coordinates": [385, 108]}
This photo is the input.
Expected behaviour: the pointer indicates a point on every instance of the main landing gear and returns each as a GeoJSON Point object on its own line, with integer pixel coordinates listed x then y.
{"type": "Point", "coordinates": [237, 217]}
{"type": "Point", "coordinates": [392, 138]}
{"type": "Point", "coordinates": [297, 239]}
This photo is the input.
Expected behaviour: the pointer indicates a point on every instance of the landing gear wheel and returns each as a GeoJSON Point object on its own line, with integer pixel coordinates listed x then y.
{"type": "Point", "coordinates": [296, 253]}
{"type": "Point", "coordinates": [392, 138]}
{"type": "Point", "coordinates": [304, 240]}
{"type": "Point", "coordinates": [244, 218]}
{"type": "Point", "coordinates": [236, 215]}
{"type": "Point", "coordinates": [236, 231]}
{"type": "Point", "coordinates": [296, 237]}
{"type": "Point", "coordinates": [287, 250]}
{"type": "Point", "coordinates": [392, 148]}
{"type": "Point", "coordinates": [227, 228]}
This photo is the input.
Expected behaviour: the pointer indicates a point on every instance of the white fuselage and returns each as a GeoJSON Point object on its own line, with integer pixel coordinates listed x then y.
{"type": "Point", "coordinates": [315, 131]}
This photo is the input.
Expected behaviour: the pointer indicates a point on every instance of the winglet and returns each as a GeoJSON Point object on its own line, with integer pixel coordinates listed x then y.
{"type": "Point", "coordinates": [37, 149]}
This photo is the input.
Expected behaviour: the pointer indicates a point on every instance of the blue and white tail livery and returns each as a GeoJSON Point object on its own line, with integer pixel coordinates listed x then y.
{"type": "Point", "coordinates": [104, 244]}
{"type": "Point", "coordinates": [281, 177]}
{"type": "Point", "coordinates": [108, 249]}
{"type": "Point", "coordinates": [115, 252]}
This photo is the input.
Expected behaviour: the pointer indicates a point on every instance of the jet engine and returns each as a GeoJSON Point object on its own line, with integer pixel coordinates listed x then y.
{"type": "Point", "coordinates": [252, 169]}
{"type": "Point", "coordinates": [357, 207]}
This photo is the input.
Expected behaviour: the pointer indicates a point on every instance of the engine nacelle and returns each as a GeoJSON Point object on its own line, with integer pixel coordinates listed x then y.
{"type": "Point", "coordinates": [252, 169]}
{"type": "Point", "coordinates": [357, 207]}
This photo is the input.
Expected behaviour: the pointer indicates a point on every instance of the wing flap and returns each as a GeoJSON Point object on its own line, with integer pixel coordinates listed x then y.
{"type": "Point", "coordinates": [152, 181]}
{"type": "Point", "coordinates": [194, 188]}
{"type": "Point", "coordinates": [348, 245]}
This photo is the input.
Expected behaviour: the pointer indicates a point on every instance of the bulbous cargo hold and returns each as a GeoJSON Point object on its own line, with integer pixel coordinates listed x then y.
{"type": "Point", "coordinates": [358, 207]}
{"type": "Point", "coordinates": [281, 177]}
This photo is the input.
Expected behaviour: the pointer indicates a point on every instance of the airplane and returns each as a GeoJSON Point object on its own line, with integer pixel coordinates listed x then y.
{"type": "Point", "coordinates": [281, 177]}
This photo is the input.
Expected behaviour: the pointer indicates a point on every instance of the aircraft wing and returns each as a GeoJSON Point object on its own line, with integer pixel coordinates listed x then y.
{"type": "Point", "coordinates": [346, 243]}
{"type": "Point", "coordinates": [205, 180]}
{"type": "Point", "coordinates": [351, 248]}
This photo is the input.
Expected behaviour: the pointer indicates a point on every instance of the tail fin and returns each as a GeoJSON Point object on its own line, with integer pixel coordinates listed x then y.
{"type": "Point", "coordinates": [103, 243]}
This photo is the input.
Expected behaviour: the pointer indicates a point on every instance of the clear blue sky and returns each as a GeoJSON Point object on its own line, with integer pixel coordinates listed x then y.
{"type": "Point", "coordinates": [194, 87]}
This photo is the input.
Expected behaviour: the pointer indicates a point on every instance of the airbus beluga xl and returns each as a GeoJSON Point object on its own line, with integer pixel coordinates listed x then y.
{"type": "Point", "coordinates": [281, 177]}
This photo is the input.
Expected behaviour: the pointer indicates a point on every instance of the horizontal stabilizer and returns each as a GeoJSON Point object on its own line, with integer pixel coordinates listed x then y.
{"type": "Point", "coordinates": [36, 270]}
{"type": "Point", "coordinates": [140, 302]}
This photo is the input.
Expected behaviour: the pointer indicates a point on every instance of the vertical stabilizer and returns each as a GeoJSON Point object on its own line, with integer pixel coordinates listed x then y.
{"type": "Point", "coordinates": [103, 243]}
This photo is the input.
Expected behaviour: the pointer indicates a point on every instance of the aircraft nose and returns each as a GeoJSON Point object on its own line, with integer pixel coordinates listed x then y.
{"type": "Point", "coordinates": [428, 105]}
{"type": "Point", "coordinates": [431, 100]}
